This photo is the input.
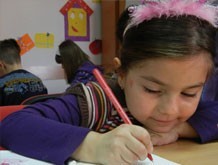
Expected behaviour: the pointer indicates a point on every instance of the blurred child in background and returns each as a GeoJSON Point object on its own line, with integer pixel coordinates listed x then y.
{"type": "Point", "coordinates": [75, 62]}
{"type": "Point", "coordinates": [16, 84]}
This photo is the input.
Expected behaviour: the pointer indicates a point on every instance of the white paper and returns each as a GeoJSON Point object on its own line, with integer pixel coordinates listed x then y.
{"type": "Point", "coordinates": [157, 160]}
{"type": "Point", "coordinates": [10, 158]}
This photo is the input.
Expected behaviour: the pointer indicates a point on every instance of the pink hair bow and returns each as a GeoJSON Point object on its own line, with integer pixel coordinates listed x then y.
{"type": "Point", "coordinates": [156, 9]}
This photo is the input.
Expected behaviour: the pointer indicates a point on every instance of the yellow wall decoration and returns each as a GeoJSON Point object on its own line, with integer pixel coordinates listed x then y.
{"type": "Point", "coordinates": [44, 40]}
{"type": "Point", "coordinates": [77, 22]}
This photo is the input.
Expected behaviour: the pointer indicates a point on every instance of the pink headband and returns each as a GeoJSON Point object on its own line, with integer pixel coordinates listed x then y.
{"type": "Point", "coordinates": [154, 9]}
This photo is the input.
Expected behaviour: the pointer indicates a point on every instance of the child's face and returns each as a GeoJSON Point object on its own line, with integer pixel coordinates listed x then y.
{"type": "Point", "coordinates": [160, 93]}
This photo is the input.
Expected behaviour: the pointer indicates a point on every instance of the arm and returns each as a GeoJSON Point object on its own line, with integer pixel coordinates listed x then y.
{"type": "Point", "coordinates": [205, 121]}
{"type": "Point", "coordinates": [49, 131]}
{"type": "Point", "coordinates": [46, 131]}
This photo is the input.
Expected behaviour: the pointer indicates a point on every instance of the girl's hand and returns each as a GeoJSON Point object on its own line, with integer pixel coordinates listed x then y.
{"type": "Point", "coordinates": [163, 138]}
{"type": "Point", "coordinates": [182, 130]}
{"type": "Point", "coordinates": [125, 144]}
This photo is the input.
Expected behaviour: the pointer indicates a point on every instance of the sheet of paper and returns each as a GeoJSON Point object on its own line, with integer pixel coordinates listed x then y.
{"type": "Point", "coordinates": [157, 160]}
{"type": "Point", "coordinates": [10, 158]}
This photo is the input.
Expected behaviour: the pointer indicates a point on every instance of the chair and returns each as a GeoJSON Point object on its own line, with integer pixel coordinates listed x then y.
{"type": "Point", "coordinates": [6, 110]}
{"type": "Point", "coordinates": [40, 98]}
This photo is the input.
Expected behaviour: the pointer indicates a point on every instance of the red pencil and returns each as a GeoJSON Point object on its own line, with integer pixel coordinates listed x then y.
{"type": "Point", "coordinates": [113, 99]}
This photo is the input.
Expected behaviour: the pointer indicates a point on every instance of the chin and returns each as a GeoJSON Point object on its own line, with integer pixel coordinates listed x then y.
{"type": "Point", "coordinates": [160, 129]}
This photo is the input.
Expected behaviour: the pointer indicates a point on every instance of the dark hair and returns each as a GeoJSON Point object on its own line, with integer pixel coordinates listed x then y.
{"type": "Point", "coordinates": [122, 23]}
{"type": "Point", "coordinates": [10, 51]}
{"type": "Point", "coordinates": [71, 57]}
{"type": "Point", "coordinates": [167, 37]}
{"type": "Point", "coordinates": [216, 58]}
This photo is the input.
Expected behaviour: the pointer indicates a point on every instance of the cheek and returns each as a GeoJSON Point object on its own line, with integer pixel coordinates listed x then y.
{"type": "Point", "coordinates": [130, 83]}
{"type": "Point", "coordinates": [138, 108]}
{"type": "Point", "coordinates": [187, 111]}
{"type": "Point", "coordinates": [139, 105]}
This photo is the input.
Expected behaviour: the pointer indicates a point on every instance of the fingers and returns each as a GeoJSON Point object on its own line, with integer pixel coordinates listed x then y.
{"type": "Point", "coordinates": [128, 157]}
{"type": "Point", "coordinates": [125, 144]}
{"type": "Point", "coordinates": [143, 139]}
{"type": "Point", "coordinates": [138, 143]}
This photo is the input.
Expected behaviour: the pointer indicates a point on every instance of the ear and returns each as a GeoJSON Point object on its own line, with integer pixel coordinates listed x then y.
{"type": "Point", "coordinates": [2, 68]}
{"type": "Point", "coordinates": [116, 63]}
{"type": "Point", "coordinates": [120, 75]}
{"type": "Point", "coordinates": [2, 65]}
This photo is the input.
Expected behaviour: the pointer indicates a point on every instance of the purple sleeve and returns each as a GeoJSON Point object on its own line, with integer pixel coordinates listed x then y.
{"type": "Point", "coordinates": [205, 121]}
{"type": "Point", "coordinates": [46, 131]}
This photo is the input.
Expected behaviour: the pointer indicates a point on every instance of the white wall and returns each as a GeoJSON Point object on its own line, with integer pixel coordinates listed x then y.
{"type": "Point", "coordinates": [18, 17]}
{"type": "Point", "coordinates": [130, 2]}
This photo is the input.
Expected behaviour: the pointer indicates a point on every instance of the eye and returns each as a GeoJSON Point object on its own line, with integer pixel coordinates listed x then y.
{"type": "Point", "coordinates": [81, 16]}
{"type": "Point", "coordinates": [151, 90]}
{"type": "Point", "coordinates": [189, 94]}
{"type": "Point", "coordinates": [72, 15]}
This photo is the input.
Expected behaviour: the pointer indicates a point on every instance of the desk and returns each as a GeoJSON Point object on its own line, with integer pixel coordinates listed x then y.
{"type": "Point", "coordinates": [188, 152]}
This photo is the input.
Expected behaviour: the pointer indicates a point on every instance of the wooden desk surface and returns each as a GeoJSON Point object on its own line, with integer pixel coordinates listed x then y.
{"type": "Point", "coordinates": [187, 152]}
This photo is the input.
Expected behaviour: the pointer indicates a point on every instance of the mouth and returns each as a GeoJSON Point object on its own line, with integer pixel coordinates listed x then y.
{"type": "Point", "coordinates": [164, 122]}
{"type": "Point", "coordinates": [162, 125]}
{"type": "Point", "coordinates": [74, 29]}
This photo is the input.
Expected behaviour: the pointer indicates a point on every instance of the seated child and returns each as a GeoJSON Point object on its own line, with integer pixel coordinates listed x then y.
{"type": "Point", "coordinates": [166, 56]}
{"type": "Point", "coordinates": [16, 84]}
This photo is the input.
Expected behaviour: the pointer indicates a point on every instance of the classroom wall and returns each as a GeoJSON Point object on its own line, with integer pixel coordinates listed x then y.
{"type": "Point", "coordinates": [19, 17]}
{"type": "Point", "coordinates": [130, 2]}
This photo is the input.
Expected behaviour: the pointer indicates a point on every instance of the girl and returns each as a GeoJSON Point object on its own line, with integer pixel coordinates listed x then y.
{"type": "Point", "coordinates": [75, 62]}
{"type": "Point", "coordinates": [166, 57]}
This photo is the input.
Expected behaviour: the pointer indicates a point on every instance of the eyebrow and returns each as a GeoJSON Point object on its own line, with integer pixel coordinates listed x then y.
{"type": "Point", "coordinates": [152, 79]}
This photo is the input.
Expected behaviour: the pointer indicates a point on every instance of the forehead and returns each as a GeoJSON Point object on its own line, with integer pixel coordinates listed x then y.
{"type": "Point", "coordinates": [202, 58]}
{"type": "Point", "coordinates": [171, 71]}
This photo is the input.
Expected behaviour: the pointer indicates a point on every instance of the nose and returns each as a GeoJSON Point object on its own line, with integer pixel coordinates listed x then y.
{"type": "Point", "coordinates": [169, 105]}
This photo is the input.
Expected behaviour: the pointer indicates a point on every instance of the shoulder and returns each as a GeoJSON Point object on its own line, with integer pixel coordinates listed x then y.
{"type": "Point", "coordinates": [21, 73]}
{"type": "Point", "coordinates": [89, 66]}
{"type": "Point", "coordinates": [10, 77]}
{"type": "Point", "coordinates": [31, 76]}
{"type": "Point", "coordinates": [94, 104]}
